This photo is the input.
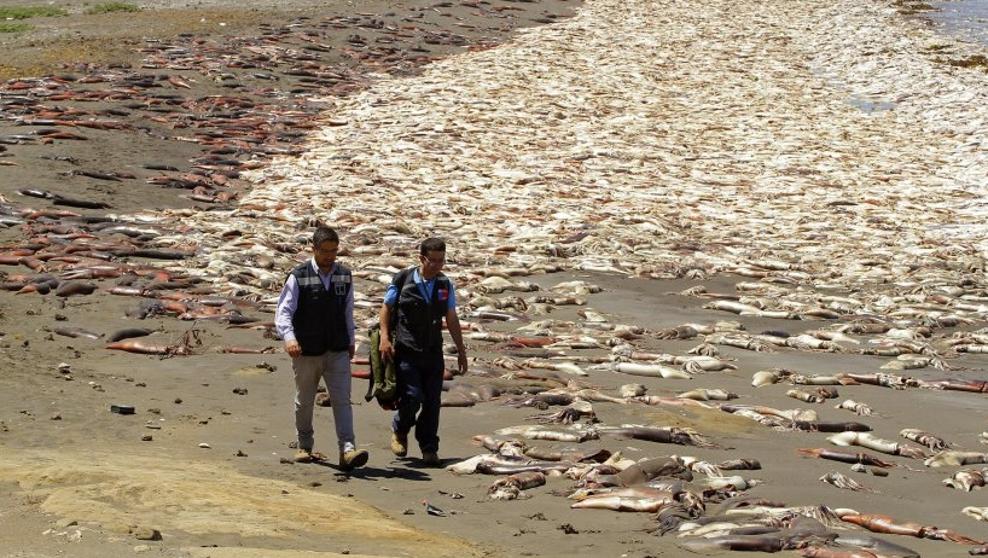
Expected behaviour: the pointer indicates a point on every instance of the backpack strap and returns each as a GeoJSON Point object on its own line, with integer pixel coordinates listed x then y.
{"type": "Point", "coordinates": [399, 281]}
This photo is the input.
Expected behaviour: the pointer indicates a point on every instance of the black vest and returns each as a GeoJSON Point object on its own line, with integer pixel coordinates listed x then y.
{"type": "Point", "coordinates": [320, 318]}
{"type": "Point", "coordinates": [418, 325]}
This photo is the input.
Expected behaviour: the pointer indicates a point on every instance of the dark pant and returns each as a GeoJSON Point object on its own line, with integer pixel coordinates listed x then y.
{"type": "Point", "coordinates": [420, 383]}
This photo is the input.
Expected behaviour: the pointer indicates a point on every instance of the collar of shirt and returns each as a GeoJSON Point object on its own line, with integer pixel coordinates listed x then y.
{"type": "Point", "coordinates": [425, 287]}
{"type": "Point", "coordinates": [315, 266]}
{"type": "Point", "coordinates": [324, 277]}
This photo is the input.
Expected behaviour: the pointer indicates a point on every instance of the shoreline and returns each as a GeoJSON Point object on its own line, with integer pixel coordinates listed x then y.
{"type": "Point", "coordinates": [962, 21]}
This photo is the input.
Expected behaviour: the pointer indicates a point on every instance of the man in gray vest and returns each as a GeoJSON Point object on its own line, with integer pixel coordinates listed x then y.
{"type": "Point", "coordinates": [415, 304]}
{"type": "Point", "coordinates": [315, 318]}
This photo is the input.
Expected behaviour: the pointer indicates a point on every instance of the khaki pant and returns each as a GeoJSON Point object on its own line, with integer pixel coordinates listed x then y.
{"type": "Point", "coordinates": [334, 368]}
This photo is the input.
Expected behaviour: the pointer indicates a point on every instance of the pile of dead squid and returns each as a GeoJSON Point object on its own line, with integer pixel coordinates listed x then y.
{"type": "Point", "coordinates": [234, 132]}
{"type": "Point", "coordinates": [66, 254]}
{"type": "Point", "coordinates": [690, 149]}
{"type": "Point", "coordinates": [708, 504]}
{"type": "Point", "coordinates": [551, 361]}
{"type": "Point", "coordinates": [240, 99]}
{"type": "Point", "coordinates": [597, 185]}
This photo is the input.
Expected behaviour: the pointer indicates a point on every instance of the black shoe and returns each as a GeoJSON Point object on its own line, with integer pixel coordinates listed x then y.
{"type": "Point", "coordinates": [431, 459]}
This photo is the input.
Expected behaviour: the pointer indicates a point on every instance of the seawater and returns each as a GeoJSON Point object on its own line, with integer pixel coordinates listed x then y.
{"type": "Point", "coordinates": [966, 19]}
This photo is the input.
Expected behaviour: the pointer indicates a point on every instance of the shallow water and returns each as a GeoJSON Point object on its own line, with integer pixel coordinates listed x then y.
{"type": "Point", "coordinates": [966, 19]}
{"type": "Point", "coordinates": [869, 105]}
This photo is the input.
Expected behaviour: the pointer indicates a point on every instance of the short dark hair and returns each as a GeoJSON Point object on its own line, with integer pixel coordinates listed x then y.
{"type": "Point", "coordinates": [433, 244]}
{"type": "Point", "coordinates": [324, 234]}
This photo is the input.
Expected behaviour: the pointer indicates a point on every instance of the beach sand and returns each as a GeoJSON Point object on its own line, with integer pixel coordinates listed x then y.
{"type": "Point", "coordinates": [92, 467]}
{"type": "Point", "coordinates": [78, 480]}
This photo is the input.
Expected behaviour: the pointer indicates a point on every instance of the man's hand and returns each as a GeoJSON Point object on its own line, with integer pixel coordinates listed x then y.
{"type": "Point", "coordinates": [456, 332]}
{"type": "Point", "coordinates": [387, 350]}
{"type": "Point", "coordinates": [293, 349]}
{"type": "Point", "coordinates": [351, 350]}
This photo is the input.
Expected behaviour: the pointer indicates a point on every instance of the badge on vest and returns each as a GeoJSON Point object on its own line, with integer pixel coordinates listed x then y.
{"type": "Point", "coordinates": [340, 283]}
{"type": "Point", "coordinates": [443, 295]}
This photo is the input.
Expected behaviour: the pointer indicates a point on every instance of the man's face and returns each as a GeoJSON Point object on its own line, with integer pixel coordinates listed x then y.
{"type": "Point", "coordinates": [325, 253]}
{"type": "Point", "coordinates": [432, 263]}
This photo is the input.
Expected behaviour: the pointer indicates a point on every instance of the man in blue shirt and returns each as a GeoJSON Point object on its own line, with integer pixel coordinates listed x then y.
{"type": "Point", "coordinates": [315, 318]}
{"type": "Point", "coordinates": [416, 302]}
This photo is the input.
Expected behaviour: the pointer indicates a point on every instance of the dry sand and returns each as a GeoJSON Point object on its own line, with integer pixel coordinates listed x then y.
{"type": "Point", "coordinates": [237, 499]}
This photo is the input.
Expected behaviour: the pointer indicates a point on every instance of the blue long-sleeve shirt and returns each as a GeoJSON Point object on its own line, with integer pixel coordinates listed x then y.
{"type": "Point", "coordinates": [288, 303]}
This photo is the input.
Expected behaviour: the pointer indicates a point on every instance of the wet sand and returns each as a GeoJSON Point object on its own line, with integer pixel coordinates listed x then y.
{"type": "Point", "coordinates": [236, 497]}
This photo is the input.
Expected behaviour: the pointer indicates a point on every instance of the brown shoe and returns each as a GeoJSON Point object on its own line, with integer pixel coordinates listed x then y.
{"type": "Point", "coordinates": [353, 459]}
{"type": "Point", "coordinates": [399, 444]}
{"type": "Point", "coordinates": [303, 456]}
{"type": "Point", "coordinates": [431, 459]}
